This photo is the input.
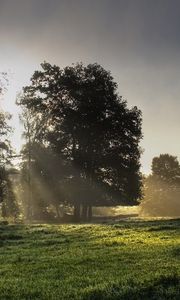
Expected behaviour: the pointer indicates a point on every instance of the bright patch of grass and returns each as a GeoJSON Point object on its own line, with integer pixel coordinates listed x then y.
{"type": "Point", "coordinates": [126, 260]}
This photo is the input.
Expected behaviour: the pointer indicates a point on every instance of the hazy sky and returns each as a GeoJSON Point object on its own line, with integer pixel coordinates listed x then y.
{"type": "Point", "coordinates": [137, 40]}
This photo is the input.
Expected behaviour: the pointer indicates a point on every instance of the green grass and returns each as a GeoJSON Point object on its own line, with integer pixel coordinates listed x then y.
{"type": "Point", "coordinates": [127, 260]}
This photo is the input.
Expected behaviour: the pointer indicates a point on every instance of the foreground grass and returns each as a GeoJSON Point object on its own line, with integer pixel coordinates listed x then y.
{"type": "Point", "coordinates": [126, 260]}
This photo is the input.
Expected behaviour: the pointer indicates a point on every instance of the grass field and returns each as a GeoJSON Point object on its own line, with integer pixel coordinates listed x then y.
{"type": "Point", "coordinates": [126, 260]}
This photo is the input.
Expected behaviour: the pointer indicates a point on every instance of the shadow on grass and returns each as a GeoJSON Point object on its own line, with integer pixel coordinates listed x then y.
{"type": "Point", "coordinates": [163, 227]}
{"type": "Point", "coordinates": [165, 287]}
{"type": "Point", "coordinates": [151, 225]}
{"type": "Point", "coordinates": [176, 252]}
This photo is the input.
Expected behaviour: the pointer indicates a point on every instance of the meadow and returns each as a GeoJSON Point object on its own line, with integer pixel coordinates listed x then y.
{"type": "Point", "coordinates": [114, 260]}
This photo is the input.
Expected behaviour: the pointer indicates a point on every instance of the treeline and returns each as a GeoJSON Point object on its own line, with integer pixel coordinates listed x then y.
{"type": "Point", "coordinates": [82, 144]}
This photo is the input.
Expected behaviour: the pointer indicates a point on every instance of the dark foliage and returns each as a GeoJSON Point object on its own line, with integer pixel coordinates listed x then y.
{"type": "Point", "coordinates": [90, 128]}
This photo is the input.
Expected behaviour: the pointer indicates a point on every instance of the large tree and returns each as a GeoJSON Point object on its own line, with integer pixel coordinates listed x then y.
{"type": "Point", "coordinates": [90, 127]}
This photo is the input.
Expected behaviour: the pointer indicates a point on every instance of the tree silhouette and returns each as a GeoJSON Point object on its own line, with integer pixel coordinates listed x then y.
{"type": "Point", "coordinates": [91, 128]}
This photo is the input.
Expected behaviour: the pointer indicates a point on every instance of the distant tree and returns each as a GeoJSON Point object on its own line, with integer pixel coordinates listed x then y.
{"type": "Point", "coordinates": [10, 206]}
{"type": "Point", "coordinates": [7, 198]}
{"type": "Point", "coordinates": [162, 187]}
{"type": "Point", "coordinates": [92, 130]}
{"type": "Point", "coordinates": [4, 142]}
{"type": "Point", "coordinates": [5, 129]}
{"type": "Point", "coordinates": [166, 167]}
{"type": "Point", "coordinates": [3, 82]}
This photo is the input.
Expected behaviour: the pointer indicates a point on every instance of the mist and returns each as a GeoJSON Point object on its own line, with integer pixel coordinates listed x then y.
{"type": "Point", "coordinates": [163, 202]}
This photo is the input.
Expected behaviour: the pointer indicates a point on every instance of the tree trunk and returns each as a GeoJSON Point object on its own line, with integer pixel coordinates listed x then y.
{"type": "Point", "coordinates": [57, 212]}
{"type": "Point", "coordinates": [84, 212]}
{"type": "Point", "coordinates": [77, 212]}
{"type": "Point", "coordinates": [89, 213]}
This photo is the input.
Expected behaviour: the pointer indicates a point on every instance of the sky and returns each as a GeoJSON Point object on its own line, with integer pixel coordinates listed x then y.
{"type": "Point", "coordinates": [137, 40]}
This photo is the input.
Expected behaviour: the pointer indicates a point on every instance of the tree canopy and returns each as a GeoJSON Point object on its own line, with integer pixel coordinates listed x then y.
{"type": "Point", "coordinates": [90, 127]}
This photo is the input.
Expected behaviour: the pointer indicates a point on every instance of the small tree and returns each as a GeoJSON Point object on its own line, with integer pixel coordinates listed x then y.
{"type": "Point", "coordinates": [7, 198]}
{"type": "Point", "coordinates": [10, 206]}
